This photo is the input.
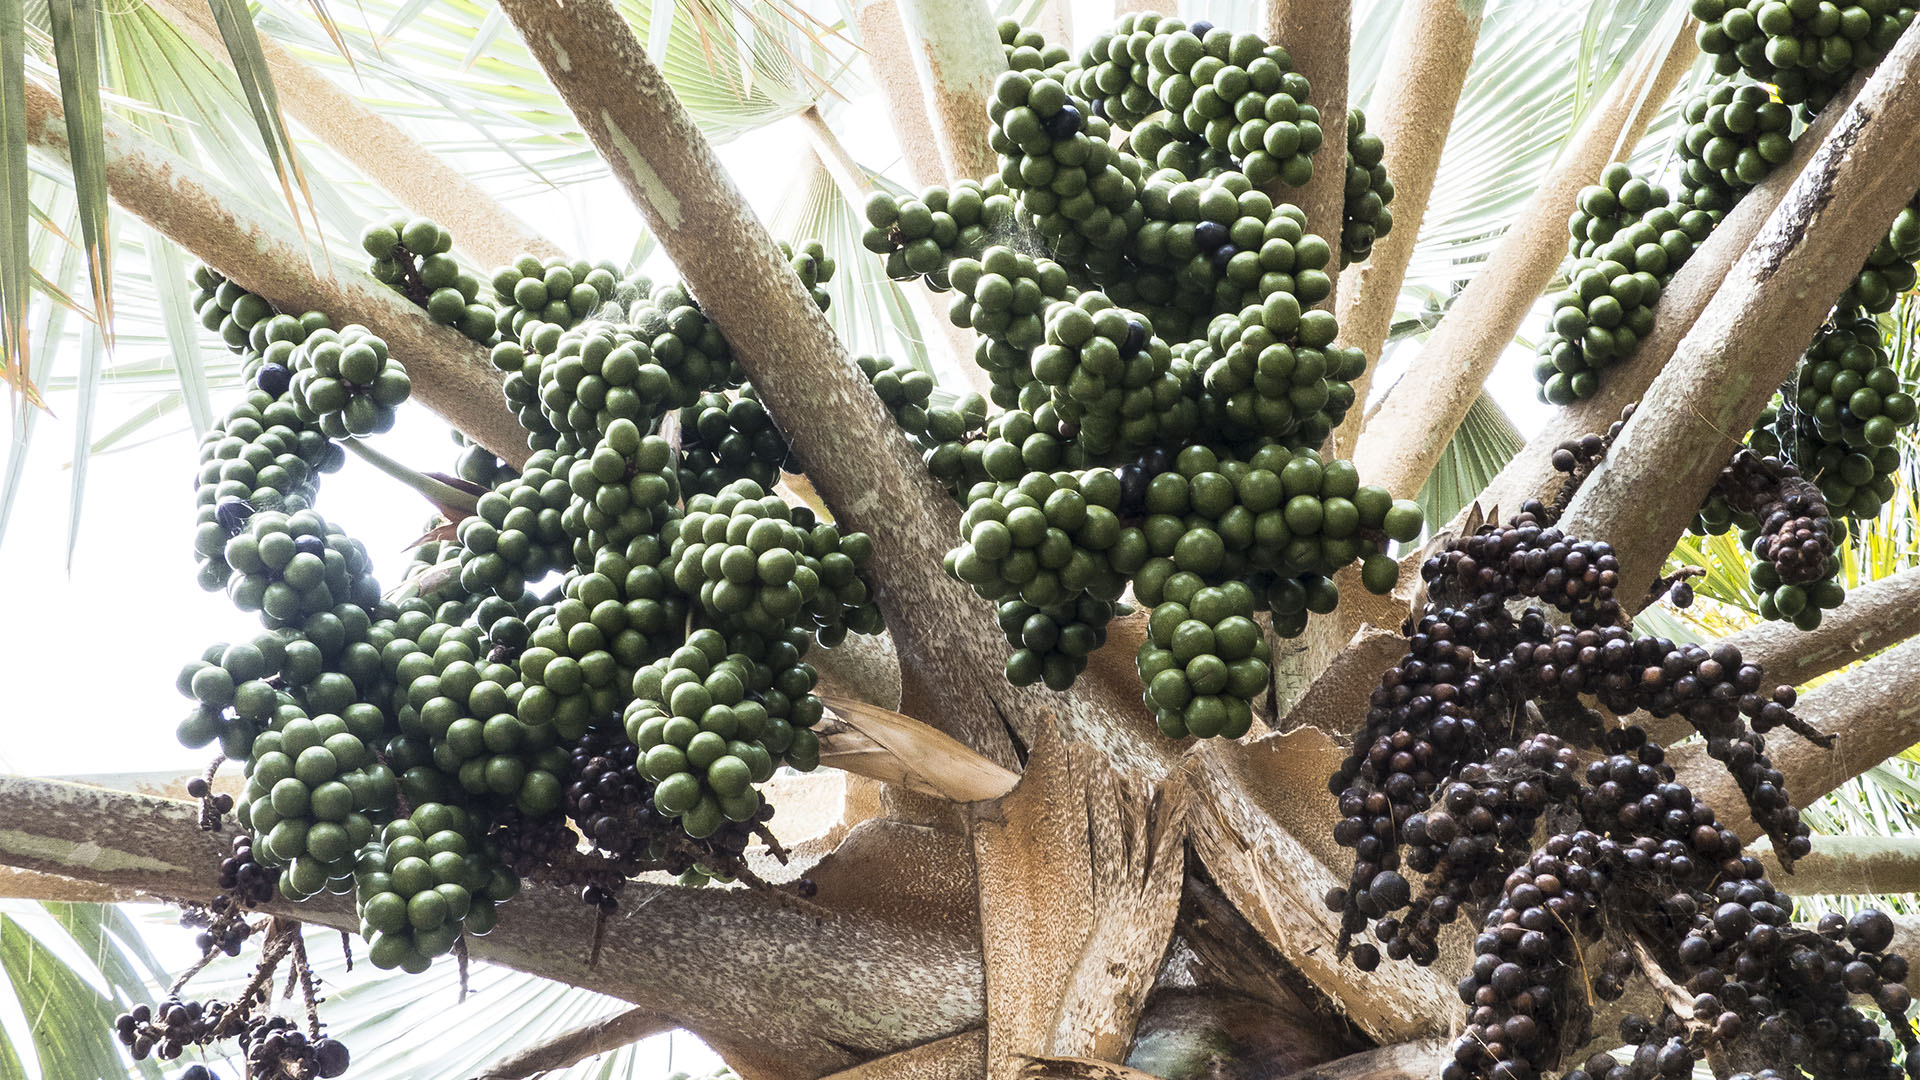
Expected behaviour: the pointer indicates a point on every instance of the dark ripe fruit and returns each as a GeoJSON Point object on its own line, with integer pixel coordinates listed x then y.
{"type": "Point", "coordinates": [1136, 338]}
{"type": "Point", "coordinates": [1870, 931]}
{"type": "Point", "coordinates": [273, 378]}
{"type": "Point", "coordinates": [232, 514]}
{"type": "Point", "coordinates": [197, 1072]}
{"type": "Point", "coordinates": [1065, 123]}
{"type": "Point", "coordinates": [1209, 235]}
{"type": "Point", "coordinates": [309, 545]}
{"type": "Point", "coordinates": [1201, 29]}
{"type": "Point", "coordinates": [330, 1056]}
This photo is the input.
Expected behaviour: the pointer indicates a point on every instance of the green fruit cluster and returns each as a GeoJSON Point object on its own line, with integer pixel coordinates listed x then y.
{"type": "Point", "coordinates": [472, 715]}
{"type": "Point", "coordinates": [723, 439]}
{"type": "Point", "coordinates": [1108, 375]}
{"type": "Point", "coordinates": [1204, 659]}
{"type": "Point", "coordinates": [919, 237]}
{"type": "Point", "coordinates": [1234, 94]}
{"type": "Point", "coordinates": [1274, 372]}
{"type": "Point", "coordinates": [289, 567]}
{"type": "Point", "coordinates": [1736, 134]}
{"type": "Point", "coordinates": [1807, 49]}
{"type": "Point", "coordinates": [950, 432]}
{"type": "Point", "coordinates": [598, 372]}
{"type": "Point", "coordinates": [583, 657]}
{"type": "Point", "coordinates": [517, 533]}
{"type": "Point", "coordinates": [563, 292]}
{"type": "Point", "coordinates": [262, 455]}
{"type": "Point", "coordinates": [813, 266]}
{"type": "Point", "coordinates": [627, 488]}
{"type": "Point", "coordinates": [311, 785]}
{"type": "Point", "coordinates": [1069, 182]}
{"type": "Point", "coordinates": [232, 695]}
{"type": "Point", "coordinates": [1051, 644]}
{"type": "Point", "coordinates": [1047, 539]}
{"type": "Point", "coordinates": [1279, 516]}
{"type": "Point", "coordinates": [757, 565]}
{"type": "Point", "coordinates": [428, 879]}
{"type": "Point", "coordinates": [905, 390]}
{"type": "Point", "coordinates": [479, 465]}
{"type": "Point", "coordinates": [706, 735]}
{"type": "Point", "coordinates": [345, 384]}
{"type": "Point", "coordinates": [1003, 297]}
{"type": "Point", "coordinates": [1026, 49]}
{"type": "Point", "coordinates": [1364, 217]}
{"type": "Point", "coordinates": [412, 257]}
{"type": "Point", "coordinates": [1627, 243]}
{"type": "Point", "coordinates": [1840, 419]}
{"type": "Point", "coordinates": [1113, 73]}
{"type": "Point", "coordinates": [1215, 246]}
{"type": "Point", "coordinates": [1803, 605]}
{"type": "Point", "coordinates": [1889, 271]}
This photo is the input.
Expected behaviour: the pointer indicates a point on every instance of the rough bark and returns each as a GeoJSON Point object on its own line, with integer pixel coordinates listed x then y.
{"type": "Point", "coordinates": [1873, 712]}
{"type": "Point", "coordinates": [1317, 34]}
{"type": "Point", "coordinates": [862, 465]}
{"type": "Point", "coordinates": [451, 375]}
{"type": "Point", "coordinates": [884, 40]}
{"type": "Point", "coordinates": [1851, 865]}
{"type": "Point", "coordinates": [1080, 871]}
{"type": "Point", "coordinates": [573, 1047]}
{"type": "Point", "coordinates": [956, 1057]}
{"type": "Point", "coordinates": [1876, 616]}
{"type": "Point", "coordinates": [1753, 332]}
{"type": "Point", "coordinates": [482, 228]}
{"type": "Point", "coordinates": [884, 957]}
{"type": "Point", "coordinates": [957, 56]}
{"type": "Point", "coordinates": [1531, 474]}
{"type": "Point", "coordinates": [1406, 434]}
{"type": "Point", "coordinates": [1418, 89]}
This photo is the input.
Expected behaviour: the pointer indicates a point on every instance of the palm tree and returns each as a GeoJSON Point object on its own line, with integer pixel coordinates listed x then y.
{"type": "Point", "coordinates": [963, 921]}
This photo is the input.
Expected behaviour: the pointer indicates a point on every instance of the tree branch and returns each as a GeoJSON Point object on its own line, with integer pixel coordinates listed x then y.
{"type": "Point", "coordinates": [1753, 332]}
{"type": "Point", "coordinates": [572, 1047]}
{"type": "Point", "coordinates": [1419, 89]}
{"type": "Point", "coordinates": [1531, 473]}
{"type": "Point", "coordinates": [957, 56]}
{"type": "Point", "coordinates": [1850, 865]}
{"type": "Point", "coordinates": [416, 177]}
{"type": "Point", "coordinates": [451, 375]}
{"type": "Point", "coordinates": [1405, 436]}
{"type": "Point", "coordinates": [897, 962]}
{"type": "Point", "coordinates": [884, 40]}
{"type": "Point", "coordinates": [1317, 34]}
{"type": "Point", "coordinates": [1872, 710]}
{"type": "Point", "coordinates": [1878, 615]}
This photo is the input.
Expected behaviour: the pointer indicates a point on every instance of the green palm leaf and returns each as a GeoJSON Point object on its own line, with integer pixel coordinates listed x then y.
{"type": "Point", "coordinates": [14, 206]}
{"type": "Point", "coordinates": [76, 49]}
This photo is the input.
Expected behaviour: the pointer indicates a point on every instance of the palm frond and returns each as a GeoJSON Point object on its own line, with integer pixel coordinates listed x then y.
{"type": "Point", "coordinates": [75, 26]}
